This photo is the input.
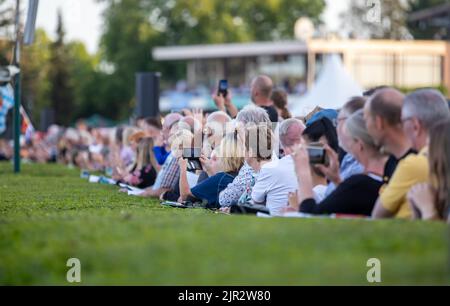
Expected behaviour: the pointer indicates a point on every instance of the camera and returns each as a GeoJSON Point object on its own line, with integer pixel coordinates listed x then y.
{"type": "Point", "coordinates": [317, 154]}
{"type": "Point", "coordinates": [223, 88]}
{"type": "Point", "coordinates": [192, 155]}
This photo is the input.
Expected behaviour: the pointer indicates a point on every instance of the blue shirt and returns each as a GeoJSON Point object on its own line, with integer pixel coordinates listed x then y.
{"type": "Point", "coordinates": [160, 154]}
{"type": "Point", "coordinates": [349, 167]}
{"type": "Point", "coordinates": [211, 188]}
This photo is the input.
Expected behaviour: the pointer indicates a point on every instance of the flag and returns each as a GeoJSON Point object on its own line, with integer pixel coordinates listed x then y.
{"type": "Point", "coordinates": [26, 127]}
{"type": "Point", "coordinates": [6, 103]}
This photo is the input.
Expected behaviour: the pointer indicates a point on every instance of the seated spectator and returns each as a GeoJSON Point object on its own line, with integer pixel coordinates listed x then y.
{"type": "Point", "coordinates": [211, 135]}
{"type": "Point", "coordinates": [223, 166]}
{"type": "Point", "coordinates": [420, 111]}
{"type": "Point", "coordinates": [432, 201]}
{"type": "Point", "coordinates": [277, 178]}
{"type": "Point", "coordinates": [349, 166]}
{"type": "Point", "coordinates": [324, 131]}
{"type": "Point", "coordinates": [321, 131]}
{"type": "Point", "coordinates": [258, 152]}
{"type": "Point", "coordinates": [170, 172]}
{"type": "Point", "coordinates": [143, 173]}
{"type": "Point", "coordinates": [374, 90]}
{"type": "Point", "coordinates": [252, 114]}
{"type": "Point", "coordinates": [280, 101]}
{"type": "Point", "coordinates": [330, 114]}
{"type": "Point", "coordinates": [383, 117]}
{"type": "Point", "coordinates": [250, 117]}
{"type": "Point", "coordinates": [357, 194]}
{"type": "Point", "coordinates": [5, 150]}
{"type": "Point", "coordinates": [214, 131]}
{"type": "Point", "coordinates": [183, 139]}
{"type": "Point", "coordinates": [123, 156]}
{"type": "Point", "coordinates": [152, 127]}
{"type": "Point", "coordinates": [161, 149]}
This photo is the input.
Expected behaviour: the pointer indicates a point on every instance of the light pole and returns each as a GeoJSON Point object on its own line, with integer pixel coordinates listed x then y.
{"type": "Point", "coordinates": [28, 40]}
{"type": "Point", "coordinates": [17, 95]}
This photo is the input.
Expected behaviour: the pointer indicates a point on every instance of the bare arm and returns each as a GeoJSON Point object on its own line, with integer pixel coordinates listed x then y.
{"type": "Point", "coordinates": [231, 108]}
{"type": "Point", "coordinates": [379, 212]}
{"type": "Point", "coordinates": [150, 193]}
{"type": "Point", "coordinates": [225, 104]}
{"type": "Point", "coordinates": [185, 190]}
{"type": "Point", "coordinates": [303, 170]}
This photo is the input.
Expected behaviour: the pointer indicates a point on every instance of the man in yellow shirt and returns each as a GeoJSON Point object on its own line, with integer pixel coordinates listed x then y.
{"type": "Point", "coordinates": [410, 171]}
{"type": "Point", "coordinates": [420, 111]}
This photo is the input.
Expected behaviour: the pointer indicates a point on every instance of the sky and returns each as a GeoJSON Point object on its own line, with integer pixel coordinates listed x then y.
{"type": "Point", "coordinates": [83, 19]}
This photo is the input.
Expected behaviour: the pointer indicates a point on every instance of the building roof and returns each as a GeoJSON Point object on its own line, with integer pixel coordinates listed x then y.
{"type": "Point", "coordinates": [297, 47]}
{"type": "Point", "coordinates": [430, 12]}
{"type": "Point", "coordinates": [228, 50]}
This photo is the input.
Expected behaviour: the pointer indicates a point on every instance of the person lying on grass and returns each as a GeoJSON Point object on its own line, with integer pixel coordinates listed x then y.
{"type": "Point", "coordinates": [356, 195]}
{"type": "Point", "coordinates": [258, 152]}
{"type": "Point", "coordinates": [222, 168]}
{"type": "Point", "coordinates": [170, 172]}
{"type": "Point", "coordinates": [143, 173]}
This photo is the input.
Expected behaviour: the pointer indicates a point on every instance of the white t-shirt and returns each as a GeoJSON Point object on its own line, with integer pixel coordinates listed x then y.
{"type": "Point", "coordinates": [320, 193]}
{"type": "Point", "coordinates": [274, 183]}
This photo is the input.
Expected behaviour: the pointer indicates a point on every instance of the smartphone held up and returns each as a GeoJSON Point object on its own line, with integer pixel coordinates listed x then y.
{"type": "Point", "coordinates": [223, 89]}
{"type": "Point", "coordinates": [192, 155]}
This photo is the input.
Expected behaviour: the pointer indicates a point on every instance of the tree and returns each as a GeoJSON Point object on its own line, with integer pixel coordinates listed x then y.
{"type": "Point", "coordinates": [6, 31]}
{"type": "Point", "coordinates": [377, 19]}
{"type": "Point", "coordinates": [61, 92]}
{"type": "Point", "coordinates": [36, 84]}
{"type": "Point", "coordinates": [62, 76]}
{"type": "Point", "coordinates": [83, 80]}
{"type": "Point", "coordinates": [6, 18]}
{"type": "Point", "coordinates": [134, 27]}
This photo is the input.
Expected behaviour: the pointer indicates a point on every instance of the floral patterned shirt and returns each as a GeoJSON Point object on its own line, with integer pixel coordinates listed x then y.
{"type": "Point", "coordinates": [244, 181]}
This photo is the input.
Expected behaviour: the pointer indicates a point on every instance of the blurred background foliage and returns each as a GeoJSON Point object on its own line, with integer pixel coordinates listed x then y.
{"type": "Point", "coordinates": [63, 75]}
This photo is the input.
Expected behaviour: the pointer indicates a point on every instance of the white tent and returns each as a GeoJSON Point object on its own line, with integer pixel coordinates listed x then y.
{"type": "Point", "coordinates": [332, 90]}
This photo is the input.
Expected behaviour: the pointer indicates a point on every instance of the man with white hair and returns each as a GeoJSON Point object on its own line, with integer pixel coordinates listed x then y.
{"type": "Point", "coordinates": [277, 178]}
{"type": "Point", "coordinates": [219, 116]}
{"type": "Point", "coordinates": [420, 111]}
{"type": "Point", "coordinates": [214, 130]}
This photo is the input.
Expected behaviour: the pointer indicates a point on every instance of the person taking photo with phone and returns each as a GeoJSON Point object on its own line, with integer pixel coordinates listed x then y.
{"type": "Point", "coordinates": [354, 196]}
{"type": "Point", "coordinates": [222, 168]}
{"type": "Point", "coordinates": [261, 92]}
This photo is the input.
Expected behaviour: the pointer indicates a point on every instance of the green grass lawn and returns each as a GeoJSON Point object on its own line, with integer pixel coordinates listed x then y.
{"type": "Point", "coordinates": [48, 215]}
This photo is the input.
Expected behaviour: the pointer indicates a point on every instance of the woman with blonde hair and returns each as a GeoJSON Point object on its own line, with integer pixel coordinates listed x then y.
{"type": "Point", "coordinates": [432, 201]}
{"type": "Point", "coordinates": [223, 166]}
